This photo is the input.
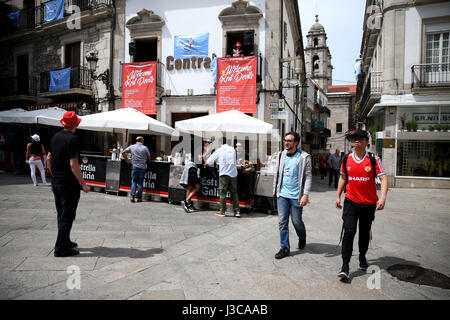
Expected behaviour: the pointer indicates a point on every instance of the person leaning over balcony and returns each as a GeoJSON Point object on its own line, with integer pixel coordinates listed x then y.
{"type": "Point", "coordinates": [139, 157]}
{"type": "Point", "coordinates": [62, 160]}
{"type": "Point", "coordinates": [358, 172]}
{"type": "Point", "coordinates": [291, 187]}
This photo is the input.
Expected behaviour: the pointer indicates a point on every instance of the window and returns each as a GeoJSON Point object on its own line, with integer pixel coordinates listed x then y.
{"type": "Point", "coordinates": [316, 42]}
{"type": "Point", "coordinates": [338, 127]}
{"type": "Point", "coordinates": [437, 49]}
{"type": "Point", "coordinates": [316, 62]}
{"type": "Point", "coordinates": [246, 38]}
{"type": "Point", "coordinates": [145, 50]}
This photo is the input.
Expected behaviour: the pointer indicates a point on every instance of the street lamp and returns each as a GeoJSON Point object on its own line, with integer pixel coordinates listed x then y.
{"type": "Point", "coordinates": [92, 59]}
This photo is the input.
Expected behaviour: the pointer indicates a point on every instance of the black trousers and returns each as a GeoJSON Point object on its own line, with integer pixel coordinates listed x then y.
{"type": "Point", "coordinates": [353, 212]}
{"type": "Point", "coordinates": [333, 174]}
{"type": "Point", "coordinates": [66, 202]}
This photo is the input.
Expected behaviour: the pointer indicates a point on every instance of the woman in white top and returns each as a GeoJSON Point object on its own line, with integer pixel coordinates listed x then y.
{"type": "Point", "coordinates": [34, 157]}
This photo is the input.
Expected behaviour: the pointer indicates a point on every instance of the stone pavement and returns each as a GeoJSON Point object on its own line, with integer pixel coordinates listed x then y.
{"type": "Point", "coordinates": [154, 250]}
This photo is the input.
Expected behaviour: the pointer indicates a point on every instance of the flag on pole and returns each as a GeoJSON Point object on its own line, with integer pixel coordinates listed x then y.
{"type": "Point", "coordinates": [14, 16]}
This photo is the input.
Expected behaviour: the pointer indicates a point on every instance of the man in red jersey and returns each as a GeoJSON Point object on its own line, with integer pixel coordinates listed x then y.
{"type": "Point", "coordinates": [358, 172]}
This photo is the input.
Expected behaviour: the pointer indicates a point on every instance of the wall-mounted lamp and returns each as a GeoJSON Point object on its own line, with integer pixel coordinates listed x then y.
{"type": "Point", "coordinates": [92, 59]}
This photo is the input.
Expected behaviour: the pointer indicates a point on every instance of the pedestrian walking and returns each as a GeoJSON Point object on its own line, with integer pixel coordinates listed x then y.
{"type": "Point", "coordinates": [322, 167]}
{"type": "Point", "coordinates": [291, 189]}
{"type": "Point", "coordinates": [334, 162]}
{"type": "Point", "coordinates": [226, 157]}
{"type": "Point", "coordinates": [62, 160]}
{"type": "Point", "coordinates": [358, 172]}
{"type": "Point", "coordinates": [139, 157]}
{"type": "Point", "coordinates": [190, 180]}
{"type": "Point", "coordinates": [34, 156]}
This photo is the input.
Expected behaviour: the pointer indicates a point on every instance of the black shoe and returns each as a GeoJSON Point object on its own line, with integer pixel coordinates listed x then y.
{"type": "Point", "coordinates": [191, 207]}
{"type": "Point", "coordinates": [72, 244]}
{"type": "Point", "coordinates": [66, 253]}
{"type": "Point", "coordinates": [282, 253]}
{"type": "Point", "coordinates": [344, 274]}
{"type": "Point", "coordinates": [363, 263]}
{"type": "Point", "coordinates": [301, 244]}
{"type": "Point", "coordinates": [185, 207]}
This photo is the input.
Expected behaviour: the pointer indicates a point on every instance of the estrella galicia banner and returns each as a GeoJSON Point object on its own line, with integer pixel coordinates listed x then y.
{"type": "Point", "coordinates": [236, 84]}
{"type": "Point", "coordinates": [139, 86]}
{"type": "Point", "coordinates": [191, 46]}
{"type": "Point", "coordinates": [93, 169]}
{"type": "Point", "coordinates": [60, 80]}
{"type": "Point", "coordinates": [54, 10]}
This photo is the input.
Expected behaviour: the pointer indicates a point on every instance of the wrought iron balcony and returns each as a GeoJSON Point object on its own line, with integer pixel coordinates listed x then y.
{"type": "Point", "coordinates": [430, 75]}
{"type": "Point", "coordinates": [80, 78]}
{"type": "Point", "coordinates": [372, 89]}
{"type": "Point", "coordinates": [18, 86]}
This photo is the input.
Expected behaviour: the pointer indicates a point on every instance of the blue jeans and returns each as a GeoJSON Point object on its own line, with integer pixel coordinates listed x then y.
{"type": "Point", "coordinates": [291, 207]}
{"type": "Point", "coordinates": [137, 178]}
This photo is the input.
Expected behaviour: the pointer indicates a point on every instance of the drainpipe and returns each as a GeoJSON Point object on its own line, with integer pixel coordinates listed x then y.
{"type": "Point", "coordinates": [111, 98]}
{"type": "Point", "coordinates": [280, 66]}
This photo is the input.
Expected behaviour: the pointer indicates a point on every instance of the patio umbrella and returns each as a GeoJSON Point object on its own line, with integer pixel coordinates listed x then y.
{"type": "Point", "coordinates": [228, 121]}
{"type": "Point", "coordinates": [7, 116]}
{"type": "Point", "coordinates": [119, 120]}
{"type": "Point", "coordinates": [30, 117]}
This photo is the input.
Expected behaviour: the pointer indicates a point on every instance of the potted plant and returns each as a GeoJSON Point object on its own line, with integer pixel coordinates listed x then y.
{"type": "Point", "coordinates": [437, 127]}
{"type": "Point", "coordinates": [414, 125]}
{"type": "Point", "coordinates": [430, 128]}
{"type": "Point", "coordinates": [445, 127]}
{"type": "Point", "coordinates": [423, 128]}
{"type": "Point", "coordinates": [408, 126]}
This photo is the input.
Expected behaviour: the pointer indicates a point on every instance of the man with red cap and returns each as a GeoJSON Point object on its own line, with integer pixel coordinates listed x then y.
{"type": "Point", "coordinates": [237, 52]}
{"type": "Point", "coordinates": [62, 160]}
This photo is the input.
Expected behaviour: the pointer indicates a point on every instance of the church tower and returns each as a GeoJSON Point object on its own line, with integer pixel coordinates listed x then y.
{"type": "Point", "coordinates": [317, 56]}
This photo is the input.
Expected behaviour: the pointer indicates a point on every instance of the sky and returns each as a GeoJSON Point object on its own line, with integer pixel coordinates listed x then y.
{"type": "Point", "coordinates": [343, 23]}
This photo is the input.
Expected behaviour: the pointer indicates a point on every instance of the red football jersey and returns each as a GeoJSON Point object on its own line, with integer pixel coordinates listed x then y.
{"type": "Point", "coordinates": [360, 181]}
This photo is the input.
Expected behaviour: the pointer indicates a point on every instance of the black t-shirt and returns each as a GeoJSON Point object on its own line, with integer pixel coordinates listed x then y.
{"type": "Point", "coordinates": [36, 148]}
{"type": "Point", "coordinates": [64, 146]}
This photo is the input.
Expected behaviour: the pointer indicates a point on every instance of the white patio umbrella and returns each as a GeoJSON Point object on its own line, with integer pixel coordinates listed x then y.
{"type": "Point", "coordinates": [228, 121]}
{"type": "Point", "coordinates": [30, 117]}
{"type": "Point", "coordinates": [118, 120]}
{"type": "Point", "coordinates": [7, 116]}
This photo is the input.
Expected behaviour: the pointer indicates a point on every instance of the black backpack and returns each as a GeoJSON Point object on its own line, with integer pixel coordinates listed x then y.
{"type": "Point", "coordinates": [372, 162]}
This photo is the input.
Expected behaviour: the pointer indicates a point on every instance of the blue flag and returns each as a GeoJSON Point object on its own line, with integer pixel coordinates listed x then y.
{"type": "Point", "coordinates": [214, 69]}
{"type": "Point", "coordinates": [191, 46]}
{"type": "Point", "coordinates": [14, 16]}
{"type": "Point", "coordinates": [54, 10]}
{"type": "Point", "coordinates": [60, 80]}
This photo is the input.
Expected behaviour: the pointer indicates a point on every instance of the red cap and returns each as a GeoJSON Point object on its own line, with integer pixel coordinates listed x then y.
{"type": "Point", "coordinates": [70, 119]}
{"type": "Point", "coordinates": [238, 44]}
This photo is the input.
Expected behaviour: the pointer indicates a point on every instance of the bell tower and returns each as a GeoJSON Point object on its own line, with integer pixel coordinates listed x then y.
{"type": "Point", "coordinates": [317, 56]}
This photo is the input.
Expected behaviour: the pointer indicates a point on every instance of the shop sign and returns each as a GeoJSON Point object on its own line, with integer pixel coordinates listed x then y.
{"type": "Point", "coordinates": [139, 86]}
{"type": "Point", "coordinates": [93, 169]}
{"type": "Point", "coordinates": [280, 115]}
{"type": "Point", "coordinates": [431, 117]}
{"type": "Point", "coordinates": [236, 84]}
{"type": "Point", "coordinates": [187, 63]}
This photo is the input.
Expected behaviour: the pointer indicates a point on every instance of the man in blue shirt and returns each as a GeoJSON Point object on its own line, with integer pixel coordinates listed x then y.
{"type": "Point", "coordinates": [139, 157]}
{"type": "Point", "coordinates": [226, 157]}
{"type": "Point", "coordinates": [291, 187]}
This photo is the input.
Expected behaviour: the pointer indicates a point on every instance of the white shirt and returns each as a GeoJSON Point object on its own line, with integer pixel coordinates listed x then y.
{"type": "Point", "coordinates": [226, 157]}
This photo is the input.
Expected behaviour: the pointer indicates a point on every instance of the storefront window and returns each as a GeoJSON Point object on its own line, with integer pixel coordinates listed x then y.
{"type": "Point", "coordinates": [426, 115]}
{"type": "Point", "coordinates": [423, 158]}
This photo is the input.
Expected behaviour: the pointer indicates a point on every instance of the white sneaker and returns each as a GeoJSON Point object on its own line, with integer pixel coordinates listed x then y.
{"type": "Point", "coordinates": [35, 184]}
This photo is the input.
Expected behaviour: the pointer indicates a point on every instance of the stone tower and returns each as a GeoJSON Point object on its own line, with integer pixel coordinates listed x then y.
{"type": "Point", "coordinates": [317, 56]}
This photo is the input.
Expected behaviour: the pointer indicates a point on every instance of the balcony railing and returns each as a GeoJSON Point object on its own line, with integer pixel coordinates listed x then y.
{"type": "Point", "coordinates": [18, 86]}
{"type": "Point", "coordinates": [82, 4]}
{"type": "Point", "coordinates": [26, 19]}
{"type": "Point", "coordinates": [430, 75]}
{"type": "Point", "coordinates": [80, 78]}
{"type": "Point", "coordinates": [373, 85]}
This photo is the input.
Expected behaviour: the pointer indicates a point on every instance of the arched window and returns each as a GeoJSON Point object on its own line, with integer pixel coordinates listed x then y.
{"type": "Point", "coordinates": [316, 42]}
{"type": "Point", "coordinates": [316, 63]}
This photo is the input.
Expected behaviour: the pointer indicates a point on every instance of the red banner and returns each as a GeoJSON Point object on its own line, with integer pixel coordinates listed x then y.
{"type": "Point", "coordinates": [139, 86]}
{"type": "Point", "coordinates": [236, 84]}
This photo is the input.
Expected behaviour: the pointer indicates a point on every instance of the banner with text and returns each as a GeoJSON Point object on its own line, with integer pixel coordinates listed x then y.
{"type": "Point", "coordinates": [236, 84]}
{"type": "Point", "coordinates": [139, 86]}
